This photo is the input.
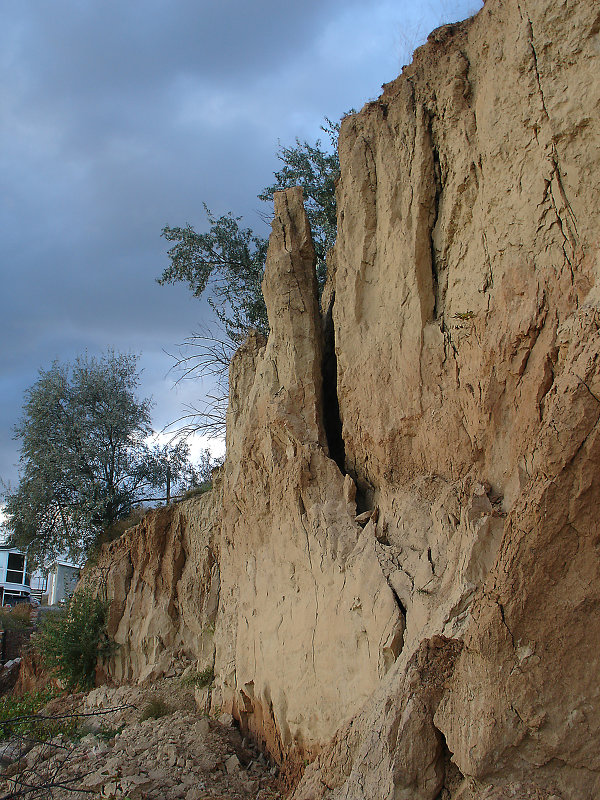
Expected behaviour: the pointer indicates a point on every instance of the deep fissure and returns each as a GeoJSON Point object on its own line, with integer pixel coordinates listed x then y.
{"type": "Point", "coordinates": [399, 603]}
{"type": "Point", "coordinates": [365, 494]}
{"type": "Point", "coordinates": [452, 776]}
{"type": "Point", "coordinates": [438, 290]}
{"type": "Point", "coordinates": [332, 421]}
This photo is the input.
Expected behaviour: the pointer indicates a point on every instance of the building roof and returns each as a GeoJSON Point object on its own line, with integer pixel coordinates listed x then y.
{"type": "Point", "coordinates": [61, 563]}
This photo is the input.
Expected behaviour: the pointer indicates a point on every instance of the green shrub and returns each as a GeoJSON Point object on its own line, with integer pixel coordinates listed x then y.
{"type": "Point", "coordinates": [196, 491]}
{"type": "Point", "coordinates": [16, 619]}
{"type": "Point", "coordinates": [155, 709]}
{"type": "Point", "coordinates": [73, 639]}
{"type": "Point", "coordinates": [17, 717]}
{"type": "Point", "coordinates": [200, 679]}
{"type": "Point", "coordinates": [116, 530]}
{"type": "Point", "coordinates": [106, 734]}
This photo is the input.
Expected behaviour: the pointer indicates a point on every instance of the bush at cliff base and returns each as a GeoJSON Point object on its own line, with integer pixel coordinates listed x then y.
{"type": "Point", "coordinates": [73, 639]}
{"type": "Point", "coordinates": [18, 717]}
{"type": "Point", "coordinates": [16, 619]}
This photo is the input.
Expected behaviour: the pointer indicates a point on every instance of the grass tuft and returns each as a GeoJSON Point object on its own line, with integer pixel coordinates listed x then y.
{"type": "Point", "coordinates": [155, 709]}
{"type": "Point", "coordinates": [200, 679]}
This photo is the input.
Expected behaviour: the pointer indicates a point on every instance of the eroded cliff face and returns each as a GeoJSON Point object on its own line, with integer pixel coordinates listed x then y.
{"type": "Point", "coordinates": [465, 309]}
{"type": "Point", "coordinates": [163, 579]}
{"type": "Point", "coordinates": [397, 572]}
{"type": "Point", "coordinates": [307, 622]}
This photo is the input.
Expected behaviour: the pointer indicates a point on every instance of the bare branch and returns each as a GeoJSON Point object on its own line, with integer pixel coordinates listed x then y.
{"type": "Point", "coordinates": [66, 716]}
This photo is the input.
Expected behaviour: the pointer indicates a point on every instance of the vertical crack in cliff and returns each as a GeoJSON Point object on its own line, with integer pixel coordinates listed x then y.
{"type": "Point", "coordinates": [569, 237]}
{"type": "Point", "coordinates": [527, 20]}
{"type": "Point", "coordinates": [489, 278]}
{"type": "Point", "coordinates": [439, 291]}
{"type": "Point", "coordinates": [563, 193]}
{"type": "Point", "coordinates": [302, 510]}
{"type": "Point", "coordinates": [388, 563]}
{"type": "Point", "coordinates": [332, 421]}
{"type": "Point", "coordinates": [430, 559]}
{"type": "Point", "coordinates": [365, 493]}
{"type": "Point", "coordinates": [399, 603]}
{"type": "Point", "coordinates": [568, 226]}
{"type": "Point", "coordinates": [504, 622]}
{"type": "Point", "coordinates": [452, 776]}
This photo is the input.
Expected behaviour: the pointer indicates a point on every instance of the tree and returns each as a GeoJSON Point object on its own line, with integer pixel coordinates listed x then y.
{"type": "Point", "coordinates": [206, 353]}
{"type": "Point", "coordinates": [317, 171]}
{"type": "Point", "coordinates": [84, 455]}
{"type": "Point", "coordinates": [232, 259]}
{"type": "Point", "coordinates": [72, 639]}
{"type": "Point", "coordinates": [228, 261]}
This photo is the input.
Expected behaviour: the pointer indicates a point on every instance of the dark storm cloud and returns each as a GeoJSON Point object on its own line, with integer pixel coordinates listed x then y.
{"type": "Point", "coordinates": [118, 118]}
{"type": "Point", "coordinates": [142, 42]}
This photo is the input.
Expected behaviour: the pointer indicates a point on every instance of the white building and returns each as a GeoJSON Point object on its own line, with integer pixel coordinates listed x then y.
{"type": "Point", "coordinates": [15, 581]}
{"type": "Point", "coordinates": [62, 579]}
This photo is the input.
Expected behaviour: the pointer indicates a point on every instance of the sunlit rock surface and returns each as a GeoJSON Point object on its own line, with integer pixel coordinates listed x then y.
{"type": "Point", "coordinates": [396, 574]}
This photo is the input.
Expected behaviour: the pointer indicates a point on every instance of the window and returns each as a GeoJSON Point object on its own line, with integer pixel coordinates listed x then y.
{"type": "Point", "coordinates": [15, 568]}
{"type": "Point", "coordinates": [12, 598]}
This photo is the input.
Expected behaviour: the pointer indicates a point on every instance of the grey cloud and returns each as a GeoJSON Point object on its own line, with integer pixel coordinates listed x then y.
{"type": "Point", "coordinates": [118, 118]}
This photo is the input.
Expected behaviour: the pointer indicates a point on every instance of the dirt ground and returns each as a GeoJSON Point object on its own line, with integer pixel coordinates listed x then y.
{"type": "Point", "coordinates": [177, 753]}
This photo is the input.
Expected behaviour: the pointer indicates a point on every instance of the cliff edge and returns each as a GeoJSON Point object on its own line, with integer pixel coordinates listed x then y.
{"type": "Point", "coordinates": [396, 575]}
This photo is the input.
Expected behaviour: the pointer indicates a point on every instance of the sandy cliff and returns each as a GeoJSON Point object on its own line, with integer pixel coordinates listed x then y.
{"type": "Point", "coordinates": [397, 572]}
{"type": "Point", "coordinates": [163, 579]}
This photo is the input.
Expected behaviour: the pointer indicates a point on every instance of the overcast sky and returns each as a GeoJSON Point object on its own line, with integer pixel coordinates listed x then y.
{"type": "Point", "coordinates": [117, 118]}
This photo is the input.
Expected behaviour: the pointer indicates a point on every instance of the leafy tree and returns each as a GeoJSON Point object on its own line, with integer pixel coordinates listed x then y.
{"type": "Point", "coordinates": [316, 170]}
{"type": "Point", "coordinates": [232, 259]}
{"type": "Point", "coordinates": [72, 639]}
{"type": "Point", "coordinates": [227, 263]}
{"type": "Point", "coordinates": [84, 456]}
{"type": "Point", "coordinates": [20, 717]}
{"type": "Point", "coordinates": [229, 259]}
